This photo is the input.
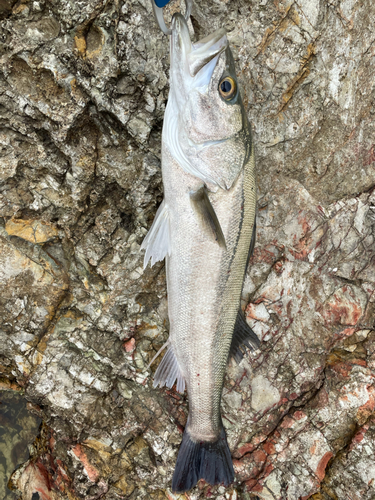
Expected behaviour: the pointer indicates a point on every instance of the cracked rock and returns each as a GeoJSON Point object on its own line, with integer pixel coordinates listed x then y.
{"type": "Point", "coordinates": [84, 87]}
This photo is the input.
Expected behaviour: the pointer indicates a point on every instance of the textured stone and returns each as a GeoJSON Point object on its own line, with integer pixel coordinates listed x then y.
{"type": "Point", "coordinates": [18, 428]}
{"type": "Point", "coordinates": [83, 91]}
{"type": "Point", "coordinates": [31, 230]}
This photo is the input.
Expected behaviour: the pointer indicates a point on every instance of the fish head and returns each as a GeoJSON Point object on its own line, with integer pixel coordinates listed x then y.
{"type": "Point", "coordinates": [206, 100]}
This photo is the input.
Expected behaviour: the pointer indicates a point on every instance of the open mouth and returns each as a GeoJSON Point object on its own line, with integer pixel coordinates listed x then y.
{"type": "Point", "coordinates": [198, 54]}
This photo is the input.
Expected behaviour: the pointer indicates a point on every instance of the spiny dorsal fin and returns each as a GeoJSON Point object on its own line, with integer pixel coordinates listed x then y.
{"type": "Point", "coordinates": [243, 336]}
{"type": "Point", "coordinates": [204, 209]}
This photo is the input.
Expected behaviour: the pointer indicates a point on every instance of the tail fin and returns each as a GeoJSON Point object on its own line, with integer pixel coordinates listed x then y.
{"type": "Point", "coordinates": [206, 460]}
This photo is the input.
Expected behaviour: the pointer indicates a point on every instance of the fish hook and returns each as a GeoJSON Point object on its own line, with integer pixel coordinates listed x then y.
{"type": "Point", "coordinates": [158, 11]}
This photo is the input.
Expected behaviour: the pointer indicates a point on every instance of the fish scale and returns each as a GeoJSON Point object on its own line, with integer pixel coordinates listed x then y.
{"type": "Point", "coordinates": [204, 229]}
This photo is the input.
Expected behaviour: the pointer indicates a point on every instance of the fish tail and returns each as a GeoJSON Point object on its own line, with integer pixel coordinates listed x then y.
{"type": "Point", "coordinates": [206, 460]}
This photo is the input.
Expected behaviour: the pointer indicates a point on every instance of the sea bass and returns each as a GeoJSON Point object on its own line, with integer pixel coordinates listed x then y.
{"type": "Point", "coordinates": [205, 228]}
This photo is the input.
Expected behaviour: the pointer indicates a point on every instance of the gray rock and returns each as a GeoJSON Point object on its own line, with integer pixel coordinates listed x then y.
{"type": "Point", "coordinates": [83, 91]}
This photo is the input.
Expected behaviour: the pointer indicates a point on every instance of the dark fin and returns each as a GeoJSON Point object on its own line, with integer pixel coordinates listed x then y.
{"type": "Point", "coordinates": [203, 207]}
{"type": "Point", "coordinates": [252, 243]}
{"type": "Point", "coordinates": [206, 460]}
{"type": "Point", "coordinates": [243, 336]}
{"type": "Point", "coordinates": [168, 371]}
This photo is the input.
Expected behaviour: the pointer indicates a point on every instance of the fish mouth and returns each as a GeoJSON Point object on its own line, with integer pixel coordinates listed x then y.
{"type": "Point", "coordinates": [196, 55]}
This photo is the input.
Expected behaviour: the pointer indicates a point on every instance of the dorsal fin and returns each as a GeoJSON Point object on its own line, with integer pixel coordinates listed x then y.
{"type": "Point", "coordinates": [243, 336]}
{"type": "Point", "coordinates": [205, 211]}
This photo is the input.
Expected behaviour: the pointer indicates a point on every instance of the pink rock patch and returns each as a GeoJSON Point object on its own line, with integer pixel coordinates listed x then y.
{"type": "Point", "coordinates": [35, 479]}
{"type": "Point", "coordinates": [129, 345]}
{"type": "Point", "coordinates": [343, 308]}
{"type": "Point", "coordinates": [321, 469]}
{"type": "Point", "coordinates": [258, 312]}
{"type": "Point", "coordinates": [91, 471]}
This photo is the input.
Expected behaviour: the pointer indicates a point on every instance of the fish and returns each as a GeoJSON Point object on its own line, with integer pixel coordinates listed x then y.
{"type": "Point", "coordinates": [205, 229]}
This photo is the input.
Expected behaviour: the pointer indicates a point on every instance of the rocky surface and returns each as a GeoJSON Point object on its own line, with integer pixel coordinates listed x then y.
{"type": "Point", "coordinates": [83, 88]}
{"type": "Point", "coordinates": [18, 428]}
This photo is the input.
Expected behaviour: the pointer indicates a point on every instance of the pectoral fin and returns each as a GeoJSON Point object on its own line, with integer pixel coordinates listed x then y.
{"type": "Point", "coordinates": [157, 242]}
{"type": "Point", "coordinates": [243, 336]}
{"type": "Point", "coordinates": [206, 213]}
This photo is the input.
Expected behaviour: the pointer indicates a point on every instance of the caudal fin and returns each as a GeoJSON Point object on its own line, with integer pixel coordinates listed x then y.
{"type": "Point", "coordinates": [206, 460]}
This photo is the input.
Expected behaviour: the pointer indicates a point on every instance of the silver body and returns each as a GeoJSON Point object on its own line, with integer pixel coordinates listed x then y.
{"type": "Point", "coordinates": [206, 143]}
{"type": "Point", "coordinates": [204, 286]}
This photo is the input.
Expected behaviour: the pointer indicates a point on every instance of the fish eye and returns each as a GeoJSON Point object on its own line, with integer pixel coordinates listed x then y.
{"type": "Point", "coordinates": [227, 88]}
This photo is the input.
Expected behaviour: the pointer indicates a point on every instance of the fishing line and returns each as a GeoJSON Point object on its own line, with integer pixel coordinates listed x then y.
{"type": "Point", "coordinates": [158, 5]}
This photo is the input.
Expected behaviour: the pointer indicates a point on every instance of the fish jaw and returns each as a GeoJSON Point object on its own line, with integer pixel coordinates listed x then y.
{"type": "Point", "coordinates": [192, 65]}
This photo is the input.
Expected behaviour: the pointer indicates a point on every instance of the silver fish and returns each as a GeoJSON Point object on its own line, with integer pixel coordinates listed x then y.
{"type": "Point", "coordinates": [205, 227]}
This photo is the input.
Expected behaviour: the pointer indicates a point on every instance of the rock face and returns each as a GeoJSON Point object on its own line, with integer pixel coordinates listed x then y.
{"type": "Point", "coordinates": [83, 87]}
{"type": "Point", "coordinates": [18, 427]}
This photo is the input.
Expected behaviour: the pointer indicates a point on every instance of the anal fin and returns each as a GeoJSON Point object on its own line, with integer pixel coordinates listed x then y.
{"type": "Point", "coordinates": [243, 336]}
{"type": "Point", "coordinates": [157, 242]}
{"type": "Point", "coordinates": [169, 371]}
{"type": "Point", "coordinates": [205, 211]}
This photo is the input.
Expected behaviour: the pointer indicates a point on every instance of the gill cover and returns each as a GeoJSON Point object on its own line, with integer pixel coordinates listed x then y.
{"type": "Point", "coordinates": [207, 132]}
